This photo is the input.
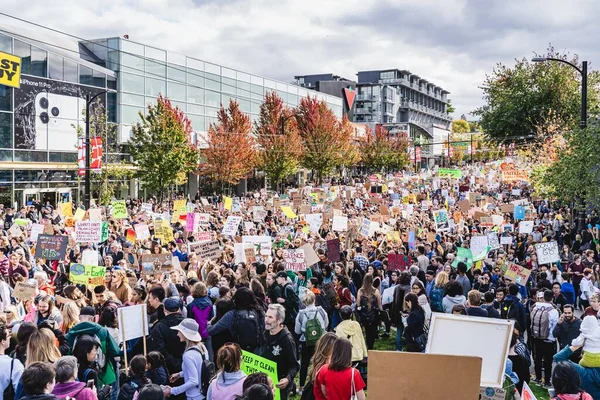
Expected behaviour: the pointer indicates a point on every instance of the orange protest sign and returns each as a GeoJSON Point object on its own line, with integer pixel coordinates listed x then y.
{"type": "Point", "coordinates": [515, 175]}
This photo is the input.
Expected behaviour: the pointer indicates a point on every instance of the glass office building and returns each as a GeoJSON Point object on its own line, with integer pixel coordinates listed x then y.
{"type": "Point", "coordinates": [38, 149]}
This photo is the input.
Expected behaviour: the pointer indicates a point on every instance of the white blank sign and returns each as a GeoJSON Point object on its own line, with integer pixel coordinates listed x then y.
{"type": "Point", "coordinates": [133, 321]}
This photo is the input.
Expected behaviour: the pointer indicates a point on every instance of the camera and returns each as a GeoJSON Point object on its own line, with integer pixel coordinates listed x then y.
{"type": "Point", "coordinates": [57, 119]}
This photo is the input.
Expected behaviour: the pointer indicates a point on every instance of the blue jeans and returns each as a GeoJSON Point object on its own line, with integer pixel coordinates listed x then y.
{"type": "Point", "coordinates": [399, 333]}
{"type": "Point", "coordinates": [335, 319]}
{"type": "Point", "coordinates": [114, 394]}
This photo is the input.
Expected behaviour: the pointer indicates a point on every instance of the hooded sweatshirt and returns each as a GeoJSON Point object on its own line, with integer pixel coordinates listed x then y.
{"type": "Point", "coordinates": [226, 386]}
{"type": "Point", "coordinates": [578, 396]}
{"type": "Point", "coordinates": [75, 390]}
{"type": "Point", "coordinates": [590, 335]}
{"type": "Point", "coordinates": [352, 331]}
{"type": "Point", "coordinates": [201, 310]}
{"type": "Point", "coordinates": [449, 302]}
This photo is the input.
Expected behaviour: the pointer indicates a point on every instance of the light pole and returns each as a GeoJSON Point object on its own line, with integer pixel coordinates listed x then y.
{"type": "Point", "coordinates": [88, 178]}
{"type": "Point", "coordinates": [583, 122]}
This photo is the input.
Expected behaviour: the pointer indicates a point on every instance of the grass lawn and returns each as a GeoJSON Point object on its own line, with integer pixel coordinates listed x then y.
{"type": "Point", "coordinates": [390, 345]}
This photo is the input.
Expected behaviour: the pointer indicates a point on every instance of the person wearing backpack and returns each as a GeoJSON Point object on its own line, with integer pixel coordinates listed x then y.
{"type": "Point", "coordinates": [367, 310]}
{"type": "Point", "coordinates": [229, 381]}
{"type": "Point", "coordinates": [311, 323]}
{"type": "Point", "coordinates": [245, 322]}
{"type": "Point", "coordinates": [201, 310]}
{"type": "Point", "coordinates": [197, 369]}
{"type": "Point", "coordinates": [289, 300]}
{"type": "Point", "coordinates": [10, 368]}
{"type": "Point", "coordinates": [544, 318]}
{"type": "Point", "coordinates": [512, 308]}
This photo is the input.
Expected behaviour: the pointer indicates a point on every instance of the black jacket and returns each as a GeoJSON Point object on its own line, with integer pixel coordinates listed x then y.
{"type": "Point", "coordinates": [281, 348]}
{"type": "Point", "coordinates": [39, 397]}
{"type": "Point", "coordinates": [131, 386]}
{"type": "Point", "coordinates": [477, 312]}
{"type": "Point", "coordinates": [492, 312]}
{"type": "Point", "coordinates": [165, 340]}
{"type": "Point", "coordinates": [567, 331]}
{"type": "Point", "coordinates": [398, 303]}
{"type": "Point", "coordinates": [414, 326]}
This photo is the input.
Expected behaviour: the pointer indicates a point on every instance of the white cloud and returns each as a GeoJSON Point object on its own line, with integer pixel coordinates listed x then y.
{"type": "Point", "coordinates": [452, 43]}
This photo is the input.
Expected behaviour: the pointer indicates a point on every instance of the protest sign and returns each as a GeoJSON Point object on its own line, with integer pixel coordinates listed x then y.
{"type": "Point", "coordinates": [262, 244]}
{"type": "Point", "coordinates": [451, 173]}
{"type": "Point", "coordinates": [227, 203]}
{"type": "Point", "coordinates": [90, 257]}
{"type": "Point", "coordinates": [294, 259]}
{"type": "Point", "coordinates": [231, 225]}
{"type": "Point", "coordinates": [388, 295]}
{"type": "Point", "coordinates": [506, 239]}
{"type": "Point", "coordinates": [493, 241]}
{"type": "Point", "coordinates": [441, 220]}
{"type": "Point", "coordinates": [142, 231]}
{"type": "Point", "coordinates": [333, 250]}
{"type": "Point", "coordinates": [288, 212]}
{"type": "Point", "coordinates": [133, 321]}
{"type": "Point", "coordinates": [206, 250]}
{"type": "Point", "coordinates": [66, 209]}
{"type": "Point", "coordinates": [119, 209]}
{"type": "Point", "coordinates": [547, 252]}
{"type": "Point", "coordinates": [79, 214]}
{"type": "Point", "coordinates": [130, 235]}
{"type": "Point", "coordinates": [310, 254]}
{"type": "Point", "coordinates": [525, 226]}
{"type": "Point", "coordinates": [90, 275]}
{"type": "Point", "coordinates": [507, 208]}
{"type": "Point", "coordinates": [95, 214]}
{"type": "Point", "coordinates": [203, 236]}
{"type": "Point", "coordinates": [315, 221]}
{"type": "Point", "coordinates": [515, 175]}
{"type": "Point", "coordinates": [36, 229]}
{"type": "Point", "coordinates": [25, 291]}
{"type": "Point", "coordinates": [15, 230]}
{"type": "Point", "coordinates": [519, 212]}
{"type": "Point", "coordinates": [397, 262]}
{"type": "Point", "coordinates": [517, 274]}
{"type": "Point", "coordinates": [249, 254]}
{"type": "Point", "coordinates": [147, 207]}
{"type": "Point", "coordinates": [190, 222]}
{"type": "Point", "coordinates": [51, 247]}
{"type": "Point", "coordinates": [152, 263]}
{"type": "Point", "coordinates": [88, 231]}
{"type": "Point", "coordinates": [478, 244]}
{"type": "Point", "coordinates": [490, 393]}
{"type": "Point", "coordinates": [464, 255]}
{"type": "Point", "coordinates": [202, 218]}
{"type": "Point", "coordinates": [252, 363]}
{"type": "Point", "coordinates": [340, 223]}
{"type": "Point", "coordinates": [104, 231]}
{"type": "Point", "coordinates": [527, 393]}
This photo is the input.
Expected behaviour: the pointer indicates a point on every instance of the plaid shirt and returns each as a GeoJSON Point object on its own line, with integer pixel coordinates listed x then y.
{"type": "Point", "coordinates": [362, 261]}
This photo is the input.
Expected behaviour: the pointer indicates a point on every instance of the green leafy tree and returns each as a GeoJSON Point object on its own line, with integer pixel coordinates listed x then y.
{"type": "Point", "coordinates": [460, 126]}
{"type": "Point", "coordinates": [449, 107]}
{"type": "Point", "coordinates": [278, 152]}
{"type": "Point", "coordinates": [535, 98]}
{"type": "Point", "coordinates": [162, 149]}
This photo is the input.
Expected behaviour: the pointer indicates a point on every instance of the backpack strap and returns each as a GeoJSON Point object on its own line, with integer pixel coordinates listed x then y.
{"type": "Point", "coordinates": [86, 373]}
{"type": "Point", "coordinates": [12, 364]}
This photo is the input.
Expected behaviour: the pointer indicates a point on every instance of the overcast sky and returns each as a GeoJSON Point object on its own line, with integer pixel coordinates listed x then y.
{"type": "Point", "coordinates": [452, 43]}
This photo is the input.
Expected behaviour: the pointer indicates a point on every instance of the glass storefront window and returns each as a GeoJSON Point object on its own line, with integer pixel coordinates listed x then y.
{"type": "Point", "coordinates": [6, 176]}
{"type": "Point", "coordinates": [70, 71]}
{"type": "Point", "coordinates": [195, 95]}
{"type": "Point", "coordinates": [55, 67]}
{"type": "Point", "coordinates": [175, 91]}
{"type": "Point", "coordinates": [63, 157]}
{"type": "Point", "coordinates": [23, 50]}
{"type": "Point", "coordinates": [213, 99]}
{"type": "Point", "coordinates": [98, 79]}
{"type": "Point", "coordinates": [5, 44]}
{"type": "Point", "coordinates": [85, 75]}
{"type": "Point", "coordinates": [132, 83]}
{"type": "Point", "coordinates": [130, 114]}
{"type": "Point", "coordinates": [154, 87]}
{"type": "Point", "coordinates": [39, 63]}
{"type": "Point", "coordinates": [195, 77]}
{"type": "Point", "coordinates": [6, 134]}
{"type": "Point", "coordinates": [132, 99]}
{"type": "Point", "coordinates": [6, 155]}
{"type": "Point", "coordinates": [111, 106]}
{"type": "Point", "coordinates": [31, 156]}
{"type": "Point", "coordinates": [5, 98]}
{"type": "Point", "coordinates": [213, 81]}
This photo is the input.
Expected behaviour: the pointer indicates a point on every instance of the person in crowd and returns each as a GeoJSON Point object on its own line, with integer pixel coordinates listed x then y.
{"type": "Point", "coordinates": [201, 310]}
{"type": "Point", "coordinates": [462, 277]}
{"type": "Point", "coordinates": [567, 329]}
{"type": "Point", "coordinates": [559, 299]}
{"type": "Point", "coordinates": [589, 377]}
{"type": "Point", "coordinates": [289, 300]}
{"type": "Point", "coordinates": [10, 368]}
{"type": "Point", "coordinates": [567, 383]}
{"type": "Point", "coordinates": [38, 381]}
{"type": "Point", "coordinates": [419, 289]}
{"type": "Point", "coordinates": [48, 312]}
{"type": "Point", "coordinates": [162, 337]}
{"type": "Point", "coordinates": [544, 318]}
{"type": "Point", "coordinates": [474, 304]}
{"type": "Point", "coordinates": [229, 381]}
{"type": "Point", "coordinates": [520, 365]}
{"type": "Point", "coordinates": [42, 347]}
{"type": "Point", "coordinates": [437, 292]}
{"type": "Point", "coordinates": [343, 297]}
{"type": "Point", "coordinates": [119, 285]}
{"type": "Point", "coordinates": [414, 330]}
{"type": "Point", "coordinates": [156, 368]}
{"type": "Point", "coordinates": [590, 339]}
{"type": "Point", "coordinates": [311, 323]}
{"type": "Point", "coordinates": [488, 305]}
{"type": "Point", "coordinates": [151, 392]}
{"type": "Point", "coordinates": [352, 331]}
{"type": "Point", "coordinates": [454, 296]}
{"type": "Point", "coordinates": [512, 307]}
{"type": "Point", "coordinates": [280, 347]}
{"type": "Point", "coordinates": [192, 360]}
{"type": "Point", "coordinates": [338, 379]}
{"type": "Point", "coordinates": [368, 307]}
{"type": "Point", "coordinates": [136, 379]}
{"type": "Point", "coordinates": [67, 385]}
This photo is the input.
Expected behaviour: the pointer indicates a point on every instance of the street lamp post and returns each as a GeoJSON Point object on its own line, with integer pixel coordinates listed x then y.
{"type": "Point", "coordinates": [88, 178]}
{"type": "Point", "coordinates": [583, 122]}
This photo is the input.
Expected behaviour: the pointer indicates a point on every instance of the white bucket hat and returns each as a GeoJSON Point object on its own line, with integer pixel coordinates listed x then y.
{"type": "Point", "coordinates": [189, 328]}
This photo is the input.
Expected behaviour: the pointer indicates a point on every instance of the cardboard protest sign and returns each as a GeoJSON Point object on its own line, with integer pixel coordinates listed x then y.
{"type": "Point", "coordinates": [517, 274]}
{"type": "Point", "coordinates": [315, 221]}
{"type": "Point", "coordinates": [51, 247]}
{"type": "Point", "coordinates": [90, 275]}
{"type": "Point", "coordinates": [493, 241]}
{"type": "Point", "coordinates": [90, 257]}
{"type": "Point", "coordinates": [163, 230]}
{"type": "Point", "coordinates": [231, 225]}
{"type": "Point", "coordinates": [252, 363]}
{"type": "Point", "coordinates": [547, 252]}
{"type": "Point", "coordinates": [507, 208]}
{"type": "Point", "coordinates": [310, 254]}
{"type": "Point", "coordinates": [25, 291]}
{"type": "Point", "coordinates": [119, 209]}
{"type": "Point", "coordinates": [249, 254]}
{"type": "Point", "coordinates": [333, 250]}
{"type": "Point", "coordinates": [262, 244]}
{"type": "Point", "coordinates": [142, 231]}
{"type": "Point", "coordinates": [478, 244]}
{"type": "Point", "coordinates": [88, 231]}
{"type": "Point", "coordinates": [288, 212]}
{"type": "Point", "coordinates": [506, 239]}
{"type": "Point", "coordinates": [79, 214]}
{"type": "Point", "coordinates": [525, 226]}
{"type": "Point", "coordinates": [36, 229]}
{"type": "Point", "coordinates": [441, 220]}
{"type": "Point", "coordinates": [66, 209]}
{"type": "Point", "coordinates": [203, 236]}
{"type": "Point", "coordinates": [340, 224]}
{"type": "Point", "coordinates": [133, 321]}
{"type": "Point", "coordinates": [515, 175]}
{"type": "Point", "coordinates": [294, 259]}
{"type": "Point", "coordinates": [206, 250]}
{"type": "Point", "coordinates": [152, 263]}
{"type": "Point", "coordinates": [95, 214]}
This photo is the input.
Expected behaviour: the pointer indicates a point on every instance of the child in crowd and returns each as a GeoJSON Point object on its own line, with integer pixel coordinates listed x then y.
{"type": "Point", "coordinates": [590, 339]}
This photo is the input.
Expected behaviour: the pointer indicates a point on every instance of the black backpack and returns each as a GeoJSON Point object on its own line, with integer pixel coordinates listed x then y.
{"type": "Point", "coordinates": [9, 392]}
{"type": "Point", "coordinates": [366, 316]}
{"type": "Point", "coordinates": [247, 329]}
{"type": "Point", "coordinates": [321, 300]}
{"type": "Point", "coordinates": [208, 371]}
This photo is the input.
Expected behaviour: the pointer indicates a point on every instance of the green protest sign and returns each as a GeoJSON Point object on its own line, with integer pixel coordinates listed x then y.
{"type": "Point", "coordinates": [482, 255]}
{"type": "Point", "coordinates": [464, 255]}
{"type": "Point", "coordinates": [104, 236]}
{"type": "Point", "coordinates": [451, 172]}
{"type": "Point", "coordinates": [90, 275]}
{"type": "Point", "coordinates": [252, 363]}
{"type": "Point", "coordinates": [119, 209]}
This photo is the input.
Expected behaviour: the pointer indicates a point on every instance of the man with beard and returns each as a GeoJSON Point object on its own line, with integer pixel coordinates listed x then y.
{"type": "Point", "coordinates": [567, 329]}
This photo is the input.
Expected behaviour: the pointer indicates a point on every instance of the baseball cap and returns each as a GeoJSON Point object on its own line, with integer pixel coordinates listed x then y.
{"type": "Point", "coordinates": [282, 274]}
{"type": "Point", "coordinates": [172, 304]}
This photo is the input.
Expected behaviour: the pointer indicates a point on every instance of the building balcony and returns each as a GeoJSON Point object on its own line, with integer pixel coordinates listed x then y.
{"type": "Point", "coordinates": [388, 99]}
{"type": "Point", "coordinates": [366, 97]}
{"type": "Point", "coordinates": [364, 110]}
{"type": "Point", "coordinates": [395, 81]}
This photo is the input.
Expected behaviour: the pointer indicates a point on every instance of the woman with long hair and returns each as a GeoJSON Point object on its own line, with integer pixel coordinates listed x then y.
{"type": "Point", "coordinates": [229, 381]}
{"type": "Point", "coordinates": [193, 357]}
{"type": "Point", "coordinates": [368, 306]}
{"type": "Point", "coordinates": [42, 347]}
{"type": "Point", "coordinates": [23, 335]}
{"type": "Point", "coordinates": [119, 285]}
{"type": "Point", "coordinates": [338, 380]}
{"type": "Point", "coordinates": [567, 382]}
{"type": "Point", "coordinates": [415, 323]}
{"type": "Point", "coordinates": [343, 298]}
{"type": "Point", "coordinates": [437, 291]}
{"type": "Point", "coordinates": [13, 320]}
{"type": "Point", "coordinates": [85, 350]}
{"type": "Point", "coordinates": [321, 356]}
{"type": "Point", "coordinates": [259, 292]}
{"type": "Point", "coordinates": [273, 289]}
{"type": "Point", "coordinates": [418, 289]}
{"type": "Point", "coordinates": [70, 315]}
{"type": "Point", "coordinates": [222, 307]}
{"type": "Point", "coordinates": [201, 310]}
{"type": "Point", "coordinates": [72, 292]}
{"type": "Point", "coordinates": [136, 379]}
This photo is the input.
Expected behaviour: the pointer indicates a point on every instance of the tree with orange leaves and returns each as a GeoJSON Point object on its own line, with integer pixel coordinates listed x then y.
{"type": "Point", "coordinates": [383, 150]}
{"type": "Point", "coordinates": [230, 155]}
{"type": "Point", "coordinates": [326, 140]}
{"type": "Point", "coordinates": [276, 131]}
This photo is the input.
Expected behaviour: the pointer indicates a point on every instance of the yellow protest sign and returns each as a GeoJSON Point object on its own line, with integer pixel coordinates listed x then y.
{"type": "Point", "coordinates": [10, 70]}
{"type": "Point", "coordinates": [179, 205]}
{"type": "Point", "coordinates": [288, 212]}
{"type": "Point", "coordinates": [90, 275]}
{"type": "Point", "coordinates": [79, 214]}
{"type": "Point", "coordinates": [66, 209]}
{"type": "Point", "coordinates": [227, 202]}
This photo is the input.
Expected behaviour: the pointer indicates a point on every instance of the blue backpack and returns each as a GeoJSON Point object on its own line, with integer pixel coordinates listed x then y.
{"type": "Point", "coordinates": [568, 291]}
{"type": "Point", "coordinates": [437, 295]}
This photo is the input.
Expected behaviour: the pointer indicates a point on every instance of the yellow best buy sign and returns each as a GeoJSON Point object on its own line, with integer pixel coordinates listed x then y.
{"type": "Point", "coordinates": [10, 70]}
